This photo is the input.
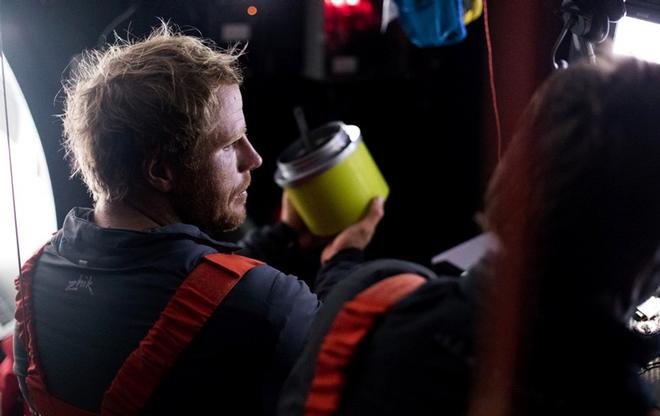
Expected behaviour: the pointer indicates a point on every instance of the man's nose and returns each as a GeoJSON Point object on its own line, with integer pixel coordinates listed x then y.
{"type": "Point", "coordinates": [250, 158]}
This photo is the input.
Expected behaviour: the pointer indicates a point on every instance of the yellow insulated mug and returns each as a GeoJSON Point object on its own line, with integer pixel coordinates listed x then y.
{"type": "Point", "coordinates": [332, 183]}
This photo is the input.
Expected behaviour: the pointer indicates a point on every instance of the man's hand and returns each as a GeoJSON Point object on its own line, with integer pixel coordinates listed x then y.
{"type": "Point", "coordinates": [289, 216]}
{"type": "Point", "coordinates": [357, 235]}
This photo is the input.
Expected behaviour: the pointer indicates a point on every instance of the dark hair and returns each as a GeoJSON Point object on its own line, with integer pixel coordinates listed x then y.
{"type": "Point", "coordinates": [575, 205]}
{"type": "Point", "coordinates": [578, 192]}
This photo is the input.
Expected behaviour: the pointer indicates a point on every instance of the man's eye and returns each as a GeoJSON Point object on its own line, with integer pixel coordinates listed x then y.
{"type": "Point", "coordinates": [233, 144]}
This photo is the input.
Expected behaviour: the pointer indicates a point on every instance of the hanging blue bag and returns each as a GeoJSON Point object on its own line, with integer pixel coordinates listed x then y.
{"type": "Point", "coordinates": [432, 22]}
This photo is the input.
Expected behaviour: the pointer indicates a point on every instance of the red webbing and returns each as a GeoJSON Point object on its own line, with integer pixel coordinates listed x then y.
{"type": "Point", "coordinates": [188, 310]}
{"type": "Point", "coordinates": [35, 381]}
{"type": "Point", "coordinates": [185, 314]}
{"type": "Point", "coordinates": [350, 326]}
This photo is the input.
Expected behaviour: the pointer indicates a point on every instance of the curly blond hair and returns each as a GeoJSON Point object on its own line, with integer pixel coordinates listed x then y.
{"type": "Point", "coordinates": [139, 99]}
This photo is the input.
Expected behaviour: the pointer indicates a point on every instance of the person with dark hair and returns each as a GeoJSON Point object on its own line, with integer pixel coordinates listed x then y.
{"type": "Point", "coordinates": [132, 307]}
{"type": "Point", "coordinates": [575, 208]}
{"type": "Point", "coordinates": [540, 326]}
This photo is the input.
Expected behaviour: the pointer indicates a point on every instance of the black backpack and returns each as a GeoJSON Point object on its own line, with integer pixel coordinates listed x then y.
{"type": "Point", "coordinates": [412, 357]}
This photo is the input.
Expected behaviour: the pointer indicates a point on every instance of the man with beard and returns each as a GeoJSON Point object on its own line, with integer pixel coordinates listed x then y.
{"type": "Point", "coordinates": [132, 307]}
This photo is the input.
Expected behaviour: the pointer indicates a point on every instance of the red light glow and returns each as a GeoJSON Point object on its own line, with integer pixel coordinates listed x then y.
{"type": "Point", "coordinates": [344, 17]}
{"type": "Point", "coordinates": [342, 3]}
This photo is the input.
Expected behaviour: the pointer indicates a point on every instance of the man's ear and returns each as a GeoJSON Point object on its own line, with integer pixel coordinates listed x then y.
{"type": "Point", "coordinates": [158, 173]}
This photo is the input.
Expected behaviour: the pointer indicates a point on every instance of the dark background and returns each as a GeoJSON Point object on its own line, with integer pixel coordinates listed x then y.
{"type": "Point", "coordinates": [425, 113]}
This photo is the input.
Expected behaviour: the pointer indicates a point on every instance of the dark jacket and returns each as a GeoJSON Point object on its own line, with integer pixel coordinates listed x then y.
{"type": "Point", "coordinates": [417, 358]}
{"type": "Point", "coordinates": [98, 291]}
{"type": "Point", "coordinates": [420, 357]}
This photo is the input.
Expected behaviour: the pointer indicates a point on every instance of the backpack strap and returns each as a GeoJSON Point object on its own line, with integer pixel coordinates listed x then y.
{"type": "Point", "coordinates": [35, 381]}
{"type": "Point", "coordinates": [185, 314]}
{"type": "Point", "coordinates": [349, 328]}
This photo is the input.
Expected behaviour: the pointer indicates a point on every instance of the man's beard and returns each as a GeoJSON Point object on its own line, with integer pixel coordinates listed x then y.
{"type": "Point", "coordinates": [196, 201]}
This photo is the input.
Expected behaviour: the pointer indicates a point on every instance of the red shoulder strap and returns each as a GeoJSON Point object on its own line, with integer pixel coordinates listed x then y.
{"type": "Point", "coordinates": [38, 395]}
{"type": "Point", "coordinates": [340, 344]}
{"type": "Point", "coordinates": [185, 314]}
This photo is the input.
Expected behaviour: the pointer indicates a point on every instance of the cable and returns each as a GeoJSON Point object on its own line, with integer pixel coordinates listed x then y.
{"type": "Point", "coordinates": [11, 167]}
{"type": "Point", "coordinates": [493, 90]}
{"type": "Point", "coordinates": [564, 31]}
{"type": "Point", "coordinates": [116, 22]}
